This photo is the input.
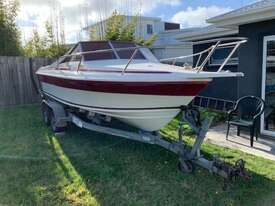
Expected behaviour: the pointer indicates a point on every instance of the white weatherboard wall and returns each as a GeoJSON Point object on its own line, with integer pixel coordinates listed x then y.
{"type": "Point", "coordinates": [174, 51]}
{"type": "Point", "coordinates": [141, 28]}
{"type": "Point", "coordinates": [167, 45]}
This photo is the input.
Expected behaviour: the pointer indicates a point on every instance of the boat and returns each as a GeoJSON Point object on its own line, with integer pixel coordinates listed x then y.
{"type": "Point", "coordinates": [126, 81]}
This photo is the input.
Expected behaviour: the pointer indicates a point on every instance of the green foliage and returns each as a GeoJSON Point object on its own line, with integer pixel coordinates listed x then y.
{"type": "Point", "coordinates": [9, 33]}
{"type": "Point", "coordinates": [114, 24]}
{"type": "Point", "coordinates": [147, 42]}
{"type": "Point", "coordinates": [127, 33]}
{"type": "Point", "coordinates": [118, 30]}
{"type": "Point", "coordinates": [45, 46]}
{"type": "Point", "coordinates": [35, 46]}
{"type": "Point", "coordinates": [218, 116]}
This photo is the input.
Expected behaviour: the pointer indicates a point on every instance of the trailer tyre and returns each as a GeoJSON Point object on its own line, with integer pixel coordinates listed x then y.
{"type": "Point", "coordinates": [54, 128]}
{"type": "Point", "coordinates": [46, 114]}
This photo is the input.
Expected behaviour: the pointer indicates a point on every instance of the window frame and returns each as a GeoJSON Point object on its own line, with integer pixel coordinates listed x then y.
{"type": "Point", "coordinates": [147, 28]}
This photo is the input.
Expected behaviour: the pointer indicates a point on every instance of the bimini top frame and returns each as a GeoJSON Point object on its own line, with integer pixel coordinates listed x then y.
{"type": "Point", "coordinates": [232, 42]}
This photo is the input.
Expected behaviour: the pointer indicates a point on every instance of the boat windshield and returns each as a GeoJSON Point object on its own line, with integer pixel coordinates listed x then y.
{"type": "Point", "coordinates": [126, 54]}
{"type": "Point", "coordinates": [102, 50]}
{"type": "Point", "coordinates": [98, 45]}
{"type": "Point", "coordinates": [112, 54]}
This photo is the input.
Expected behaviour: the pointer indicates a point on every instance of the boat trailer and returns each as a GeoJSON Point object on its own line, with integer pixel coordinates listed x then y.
{"type": "Point", "coordinates": [58, 116]}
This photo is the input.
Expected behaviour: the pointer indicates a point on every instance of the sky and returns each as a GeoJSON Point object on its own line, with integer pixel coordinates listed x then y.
{"type": "Point", "coordinates": [76, 14]}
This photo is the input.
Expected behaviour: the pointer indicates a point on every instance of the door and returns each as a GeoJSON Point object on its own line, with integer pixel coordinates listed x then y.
{"type": "Point", "coordinates": [268, 86]}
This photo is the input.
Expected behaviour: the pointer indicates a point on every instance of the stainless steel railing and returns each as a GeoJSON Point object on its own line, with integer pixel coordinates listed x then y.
{"type": "Point", "coordinates": [81, 54]}
{"type": "Point", "coordinates": [232, 42]}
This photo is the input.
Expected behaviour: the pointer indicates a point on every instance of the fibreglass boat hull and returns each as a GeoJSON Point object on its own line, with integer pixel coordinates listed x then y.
{"type": "Point", "coordinates": [148, 110]}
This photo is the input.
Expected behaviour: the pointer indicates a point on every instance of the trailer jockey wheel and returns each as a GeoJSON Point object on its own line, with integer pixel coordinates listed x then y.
{"type": "Point", "coordinates": [186, 166]}
{"type": "Point", "coordinates": [46, 114]}
{"type": "Point", "coordinates": [53, 124]}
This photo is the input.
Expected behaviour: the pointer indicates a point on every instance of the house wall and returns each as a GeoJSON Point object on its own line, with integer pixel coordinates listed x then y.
{"type": "Point", "coordinates": [251, 56]}
{"type": "Point", "coordinates": [250, 63]}
{"type": "Point", "coordinates": [221, 88]}
{"type": "Point", "coordinates": [169, 51]}
{"type": "Point", "coordinates": [141, 27]}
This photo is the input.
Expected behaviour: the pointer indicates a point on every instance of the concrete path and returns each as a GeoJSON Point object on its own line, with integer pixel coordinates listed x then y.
{"type": "Point", "coordinates": [264, 147]}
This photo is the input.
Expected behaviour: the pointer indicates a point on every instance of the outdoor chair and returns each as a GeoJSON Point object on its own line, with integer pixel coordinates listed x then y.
{"type": "Point", "coordinates": [245, 114]}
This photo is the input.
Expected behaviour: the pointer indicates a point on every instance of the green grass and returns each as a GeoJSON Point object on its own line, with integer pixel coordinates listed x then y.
{"type": "Point", "coordinates": [87, 168]}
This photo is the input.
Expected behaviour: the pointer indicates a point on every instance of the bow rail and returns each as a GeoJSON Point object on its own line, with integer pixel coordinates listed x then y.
{"type": "Point", "coordinates": [205, 55]}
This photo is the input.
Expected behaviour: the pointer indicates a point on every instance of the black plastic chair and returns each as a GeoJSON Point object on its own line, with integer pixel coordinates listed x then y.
{"type": "Point", "coordinates": [245, 114]}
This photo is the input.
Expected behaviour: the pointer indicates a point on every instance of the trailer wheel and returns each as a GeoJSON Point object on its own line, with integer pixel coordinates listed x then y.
{"type": "Point", "coordinates": [54, 128]}
{"type": "Point", "coordinates": [46, 114]}
{"type": "Point", "coordinates": [186, 166]}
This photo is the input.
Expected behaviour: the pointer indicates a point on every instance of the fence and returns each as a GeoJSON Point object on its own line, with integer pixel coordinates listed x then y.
{"type": "Point", "coordinates": [17, 76]}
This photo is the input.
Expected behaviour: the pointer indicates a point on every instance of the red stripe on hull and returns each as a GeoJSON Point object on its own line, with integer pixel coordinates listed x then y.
{"type": "Point", "coordinates": [145, 88]}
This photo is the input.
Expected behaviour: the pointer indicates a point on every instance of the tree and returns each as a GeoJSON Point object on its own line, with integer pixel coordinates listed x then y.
{"type": "Point", "coordinates": [36, 46]}
{"type": "Point", "coordinates": [147, 42]}
{"type": "Point", "coordinates": [118, 30]}
{"type": "Point", "coordinates": [113, 26]}
{"type": "Point", "coordinates": [44, 45]}
{"type": "Point", "coordinates": [127, 33]}
{"type": "Point", "coordinates": [55, 48]}
{"type": "Point", "coordinates": [10, 36]}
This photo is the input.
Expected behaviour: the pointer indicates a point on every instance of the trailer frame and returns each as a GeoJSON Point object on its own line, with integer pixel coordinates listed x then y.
{"type": "Point", "coordinates": [58, 116]}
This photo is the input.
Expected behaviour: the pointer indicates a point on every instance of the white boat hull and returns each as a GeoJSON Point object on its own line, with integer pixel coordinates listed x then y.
{"type": "Point", "coordinates": [137, 110]}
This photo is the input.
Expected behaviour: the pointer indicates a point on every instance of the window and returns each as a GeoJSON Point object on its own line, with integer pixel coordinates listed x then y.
{"type": "Point", "coordinates": [149, 29]}
{"type": "Point", "coordinates": [97, 45]}
{"type": "Point", "coordinates": [221, 54]}
{"type": "Point", "coordinates": [126, 54]}
{"type": "Point", "coordinates": [73, 50]}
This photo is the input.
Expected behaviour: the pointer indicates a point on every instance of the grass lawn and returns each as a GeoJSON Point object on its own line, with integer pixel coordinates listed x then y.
{"type": "Point", "coordinates": [87, 168]}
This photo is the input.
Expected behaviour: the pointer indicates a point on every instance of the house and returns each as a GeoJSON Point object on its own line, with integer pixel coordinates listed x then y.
{"type": "Point", "coordinates": [256, 58]}
{"type": "Point", "coordinates": [223, 89]}
{"type": "Point", "coordinates": [145, 27]}
{"type": "Point", "coordinates": [166, 44]}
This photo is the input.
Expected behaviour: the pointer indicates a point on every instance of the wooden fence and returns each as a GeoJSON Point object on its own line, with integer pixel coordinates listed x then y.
{"type": "Point", "coordinates": [17, 76]}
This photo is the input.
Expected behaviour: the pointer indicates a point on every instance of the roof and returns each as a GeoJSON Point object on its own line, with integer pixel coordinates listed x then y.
{"type": "Point", "coordinates": [206, 33]}
{"type": "Point", "coordinates": [259, 11]}
{"type": "Point", "coordinates": [168, 38]}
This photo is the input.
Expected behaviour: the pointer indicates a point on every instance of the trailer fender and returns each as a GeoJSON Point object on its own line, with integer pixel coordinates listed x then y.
{"type": "Point", "coordinates": [58, 111]}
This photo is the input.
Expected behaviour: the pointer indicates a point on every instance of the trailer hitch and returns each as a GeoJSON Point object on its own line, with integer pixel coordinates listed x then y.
{"type": "Point", "coordinates": [191, 156]}
{"type": "Point", "coordinates": [231, 173]}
